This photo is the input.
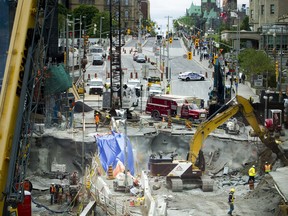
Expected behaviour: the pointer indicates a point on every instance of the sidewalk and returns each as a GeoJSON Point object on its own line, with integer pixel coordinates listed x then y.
{"type": "Point", "coordinates": [244, 90]}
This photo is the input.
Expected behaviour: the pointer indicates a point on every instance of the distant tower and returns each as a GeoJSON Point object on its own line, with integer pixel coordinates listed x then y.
{"type": "Point", "coordinates": [229, 5]}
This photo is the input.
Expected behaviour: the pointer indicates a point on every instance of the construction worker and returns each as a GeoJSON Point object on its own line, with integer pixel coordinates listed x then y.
{"type": "Point", "coordinates": [97, 120]}
{"type": "Point", "coordinates": [231, 201]}
{"type": "Point", "coordinates": [52, 193]}
{"type": "Point", "coordinates": [168, 89]}
{"type": "Point", "coordinates": [252, 173]}
{"type": "Point", "coordinates": [267, 168]}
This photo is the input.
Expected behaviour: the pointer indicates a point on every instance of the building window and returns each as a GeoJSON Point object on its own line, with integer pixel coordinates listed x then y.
{"type": "Point", "coordinates": [126, 2]}
{"type": "Point", "coordinates": [251, 14]}
{"type": "Point", "coordinates": [108, 2]}
{"type": "Point", "coordinates": [126, 14]}
{"type": "Point", "coordinates": [262, 9]}
{"type": "Point", "coordinates": [272, 9]}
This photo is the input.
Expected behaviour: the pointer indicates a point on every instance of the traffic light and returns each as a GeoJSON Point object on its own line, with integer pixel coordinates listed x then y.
{"type": "Point", "coordinates": [86, 39]}
{"type": "Point", "coordinates": [170, 40]}
{"type": "Point", "coordinates": [94, 29]}
{"type": "Point", "coordinates": [189, 55]}
{"type": "Point", "coordinates": [128, 31]}
{"type": "Point", "coordinates": [215, 59]}
{"type": "Point", "coordinates": [276, 70]}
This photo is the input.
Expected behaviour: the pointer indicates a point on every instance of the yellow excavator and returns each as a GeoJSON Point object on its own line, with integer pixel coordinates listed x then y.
{"type": "Point", "coordinates": [190, 171]}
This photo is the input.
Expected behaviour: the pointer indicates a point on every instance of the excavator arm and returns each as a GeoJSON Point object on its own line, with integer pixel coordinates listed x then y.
{"type": "Point", "coordinates": [244, 106]}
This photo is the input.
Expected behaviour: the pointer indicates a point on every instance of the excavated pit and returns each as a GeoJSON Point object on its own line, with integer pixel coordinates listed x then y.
{"type": "Point", "coordinates": [218, 152]}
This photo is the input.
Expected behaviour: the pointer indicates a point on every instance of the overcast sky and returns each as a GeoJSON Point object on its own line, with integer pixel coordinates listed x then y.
{"type": "Point", "coordinates": [161, 9]}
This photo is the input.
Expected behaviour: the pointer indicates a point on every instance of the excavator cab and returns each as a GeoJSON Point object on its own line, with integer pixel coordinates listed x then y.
{"type": "Point", "coordinates": [274, 123]}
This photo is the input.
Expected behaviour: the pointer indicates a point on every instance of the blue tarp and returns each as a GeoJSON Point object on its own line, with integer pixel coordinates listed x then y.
{"type": "Point", "coordinates": [112, 150]}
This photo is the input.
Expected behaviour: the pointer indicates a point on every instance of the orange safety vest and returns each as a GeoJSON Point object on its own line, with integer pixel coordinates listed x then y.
{"type": "Point", "coordinates": [52, 189]}
{"type": "Point", "coordinates": [97, 119]}
{"type": "Point", "coordinates": [267, 168]}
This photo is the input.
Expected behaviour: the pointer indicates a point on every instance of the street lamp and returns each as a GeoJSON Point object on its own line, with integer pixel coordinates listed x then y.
{"type": "Point", "coordinates": [101, 18]}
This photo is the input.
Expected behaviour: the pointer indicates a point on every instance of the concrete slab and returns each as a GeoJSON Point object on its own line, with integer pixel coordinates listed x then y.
{"type": "Point", "coordinates": [280, 177]}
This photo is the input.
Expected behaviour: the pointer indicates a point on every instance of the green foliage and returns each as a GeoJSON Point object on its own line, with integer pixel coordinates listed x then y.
{"type": "Point", "coordinates": [245, 24]}
{"type": "Point", "coordinates": [62, 9]}
{"type": "Point", "coordinates": [256, 62]}
{"type": "Point", "coordinates": [186, 20]}
{"type": "Point", "coordinates": [86, 10]}
{"type": "Point", "coordinates": [105, 25]}
{"type": "Point", "coordinates": [62, 13]}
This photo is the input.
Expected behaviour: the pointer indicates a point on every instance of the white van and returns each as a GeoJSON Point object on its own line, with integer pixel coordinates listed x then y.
{"type": "Point", "coordinates": [95, 49]}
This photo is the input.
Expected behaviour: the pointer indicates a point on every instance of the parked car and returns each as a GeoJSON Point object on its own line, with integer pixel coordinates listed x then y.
{"type": "Point", "coordinates": [155, 89]}
{"type": "Point", "coordinates": [97, 60]}
{"type": "Point", "coordinates": [187, 76]}
{"type": "Point", "coordinates": [141, 58]}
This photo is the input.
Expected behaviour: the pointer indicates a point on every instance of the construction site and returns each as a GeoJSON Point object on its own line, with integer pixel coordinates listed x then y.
{"type": "Point", "coordinates": [72, 146]}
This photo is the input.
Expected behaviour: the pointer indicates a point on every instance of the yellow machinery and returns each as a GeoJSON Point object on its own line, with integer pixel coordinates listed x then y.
{"type": "Point", "coordinates": [23, 78]}
{"type": "Point", "coordinates": [193, 168]}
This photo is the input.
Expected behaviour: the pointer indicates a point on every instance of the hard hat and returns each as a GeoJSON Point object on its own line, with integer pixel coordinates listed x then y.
{"type": "Point", "coordinates": [52, 183]}
{"type": "Point", "coordinates": [253, 166]}
{"type": "Point", "coordinates": [266, 162]}
{"type": "Point", "coordinates": [232, 190]}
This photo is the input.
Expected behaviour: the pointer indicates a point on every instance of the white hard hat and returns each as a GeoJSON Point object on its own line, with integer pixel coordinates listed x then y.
{"type": "Point", "coordinates": [253, 166]}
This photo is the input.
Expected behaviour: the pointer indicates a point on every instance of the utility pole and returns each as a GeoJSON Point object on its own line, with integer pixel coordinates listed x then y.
{"type": "Point", "coordinates": [73, 32]}
{"type": "Point", "coordinates": [280, 72]}
{"type": "Point", "coordinates": [80, 39]}
{"type": "Point", "coordinates": [168, 68]}
{"type": "Point", "coordinates": [101, 30]}
{"type": "Point", "coordinates": [67, 43]}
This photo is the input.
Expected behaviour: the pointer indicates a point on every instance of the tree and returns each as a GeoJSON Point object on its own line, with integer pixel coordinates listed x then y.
{"type": "Point", "coordinates": [245, 24]}
{"type": "Point", "coordinates": [62, 13]}
{"type": "Point", "coordinates": [257, 62]}
{"type": "Point", "coordinates": [88, 11]}
{"type": "Point", "coordinates": [105, 24]}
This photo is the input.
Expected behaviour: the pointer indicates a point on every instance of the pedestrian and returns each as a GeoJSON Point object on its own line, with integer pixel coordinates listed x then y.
{"type": "Point", "coordinates": [236, 84]}
{"type": "Point", "coordinates": [52, 193]}
{"type": "Point", "coordinates": [231, 201]}
{"type": "Point", "coordinates": [252, 173]}
{"type": "Point", "coordinates": [267, 168]}
{"type": "Point", "coordinates": [243, 78]}
{"type": "Point", "coordinates": [97, 120]}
